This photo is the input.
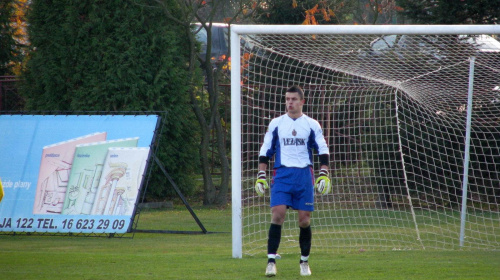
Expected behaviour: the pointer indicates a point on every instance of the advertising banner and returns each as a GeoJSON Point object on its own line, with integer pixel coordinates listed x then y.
{"type": "Point", "coordinates": [78, 174]}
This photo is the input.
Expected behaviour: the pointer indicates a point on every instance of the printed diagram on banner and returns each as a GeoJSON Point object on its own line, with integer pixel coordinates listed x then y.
{"type": "Point", "coordinates": [120, 181]}
{"type": "Point", "coordinates": [55, 167]}
{"type": "Point", "coordinates": [86, 173]}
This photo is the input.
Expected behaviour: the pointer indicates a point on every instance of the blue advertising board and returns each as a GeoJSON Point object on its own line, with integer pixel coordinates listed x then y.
{"type": "Point", "coordinates": [72, 174]}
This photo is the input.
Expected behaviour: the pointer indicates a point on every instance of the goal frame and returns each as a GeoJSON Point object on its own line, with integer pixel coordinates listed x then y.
{"type": "Point", "coordinates": [237, 30]}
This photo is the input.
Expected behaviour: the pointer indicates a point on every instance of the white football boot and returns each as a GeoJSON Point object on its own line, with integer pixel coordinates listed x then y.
{"type": "Point", "coordinates": [304, 269]}
{"type": "Point", "coordinates": [271, 269]}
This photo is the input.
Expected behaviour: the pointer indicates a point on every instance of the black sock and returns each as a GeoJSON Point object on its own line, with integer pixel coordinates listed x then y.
{"type": "Point", "coordinates": [305, 238]}
{"type": "Point", "coordinates": [274, 239]}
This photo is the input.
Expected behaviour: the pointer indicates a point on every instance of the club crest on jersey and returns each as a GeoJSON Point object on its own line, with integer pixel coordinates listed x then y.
{"type": "Point", "coordinates": [294, 133]}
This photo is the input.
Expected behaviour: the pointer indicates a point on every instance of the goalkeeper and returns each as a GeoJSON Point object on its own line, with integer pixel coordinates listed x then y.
{"type": "Point", "coordinates": [291, 139]}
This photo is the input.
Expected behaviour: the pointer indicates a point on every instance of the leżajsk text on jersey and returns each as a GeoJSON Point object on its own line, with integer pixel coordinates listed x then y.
{"type": "Point", "coordinates": [292, 141]}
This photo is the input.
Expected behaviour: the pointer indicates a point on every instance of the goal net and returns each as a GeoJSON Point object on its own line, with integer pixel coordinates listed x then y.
{"type": "Point", "coordinates": [411, 115]}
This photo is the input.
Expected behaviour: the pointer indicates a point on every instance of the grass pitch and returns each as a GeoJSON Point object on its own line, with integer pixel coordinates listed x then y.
{"type": "Point", "coordinates": [208, 256]}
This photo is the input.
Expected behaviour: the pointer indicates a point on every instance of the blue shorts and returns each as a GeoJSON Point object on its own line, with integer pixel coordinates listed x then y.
{"type": "Point", "coordinates": [293, 187]}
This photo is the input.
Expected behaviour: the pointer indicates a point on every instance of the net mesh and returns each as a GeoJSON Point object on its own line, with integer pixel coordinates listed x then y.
{"type": "Point", "coordinates": [394, 112]}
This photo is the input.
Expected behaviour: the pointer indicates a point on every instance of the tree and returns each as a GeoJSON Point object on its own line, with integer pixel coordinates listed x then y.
{"type": "Point", "coordinates": [451, 11]}
{"type": "Point", "coordinates": [303, 12]}
{"type": "Point", "coordinates": [327, 12]}
{"type": "Point", "coordinates": [376, 12]}
{"type": "Point", "coordinates": [206, 100]}
{"type": "Point", "coordinates": [8, 50]}
{"type": "Point", "coordinates": [114, 56]}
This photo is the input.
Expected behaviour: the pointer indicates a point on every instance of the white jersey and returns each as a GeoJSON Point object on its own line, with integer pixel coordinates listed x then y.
{"type": "Point", "coordinates": [293, 141]}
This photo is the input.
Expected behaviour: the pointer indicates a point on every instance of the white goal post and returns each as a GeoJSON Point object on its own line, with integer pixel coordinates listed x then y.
{"type": "Point", "coordinates": [411, 114]}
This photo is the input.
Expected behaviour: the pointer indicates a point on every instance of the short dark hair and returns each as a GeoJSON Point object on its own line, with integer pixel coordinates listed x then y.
{"type": "Point", "coordinates": [296, 89]}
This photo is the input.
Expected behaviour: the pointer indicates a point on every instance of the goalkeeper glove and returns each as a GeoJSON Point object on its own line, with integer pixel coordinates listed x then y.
{"type": "Point", "coordinates": [261, 183]}
{"type": "Point", "coordinates": [323, 184]}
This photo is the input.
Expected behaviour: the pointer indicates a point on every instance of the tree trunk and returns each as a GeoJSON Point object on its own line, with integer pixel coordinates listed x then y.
{"type": "Point", "coordinates": [221, 148]}
{"type": "Point", "coordinates": [215, 123]}
{"type": "Point", "coordinates": [209, 194]}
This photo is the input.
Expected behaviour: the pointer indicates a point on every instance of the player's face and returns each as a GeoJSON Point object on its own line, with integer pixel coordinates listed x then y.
{"type": "Point", "coordinates": [294, 104]}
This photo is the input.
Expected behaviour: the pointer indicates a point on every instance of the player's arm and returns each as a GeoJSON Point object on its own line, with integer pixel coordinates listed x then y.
{"type": "Point", "coordinates": [266, 152]}
{"type": "Point", "coordinates": [323, 183]}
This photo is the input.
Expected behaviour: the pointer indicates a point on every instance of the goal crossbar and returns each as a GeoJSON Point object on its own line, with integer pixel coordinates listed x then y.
{"type": "Point", "coordinates": [365, 29]}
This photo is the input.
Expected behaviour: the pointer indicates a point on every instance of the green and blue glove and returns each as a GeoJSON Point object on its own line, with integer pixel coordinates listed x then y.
{"type": "Point", "coordinates": [261, 183]}
{"type": "Point", "coordinates": [323, 184]}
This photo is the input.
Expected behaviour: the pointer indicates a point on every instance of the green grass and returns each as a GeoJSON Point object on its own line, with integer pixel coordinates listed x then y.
{"type": "Point", "coordinates": [208, 256]}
